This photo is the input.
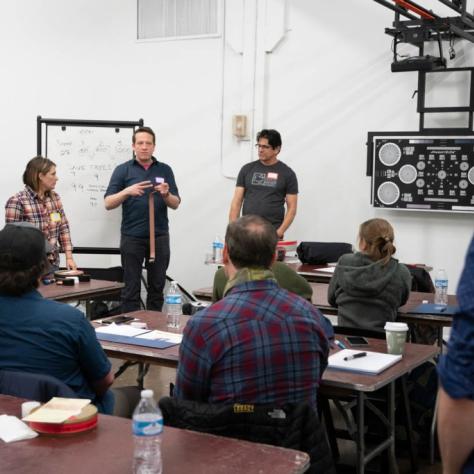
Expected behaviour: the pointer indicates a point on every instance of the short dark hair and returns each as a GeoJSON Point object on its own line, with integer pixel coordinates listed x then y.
{"type": "Point", "coordinates": [36, 166]}
{"type": "Point", "coordinates": [17, 283]}
{"type": "Point", "coordinates": [273, 137]}
{"type": "Point", "coordinates": [143, 130]}
{"type": "Point", "coordinates": [251, 242]}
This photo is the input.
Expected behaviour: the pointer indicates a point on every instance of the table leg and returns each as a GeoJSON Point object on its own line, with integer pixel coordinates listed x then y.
{"type": "Point", "coordinates": [360, 440]}
{"type": "Point", "coordinates": [440, 339]}
{"type": "Point", "coordinates": [89, 309]}
{"type": "Point", "coordinates": [433, 431]}
{"type": "Point", "coordinates": [409, 425]}
{"type": "Point", "coordinates": [391, 419]}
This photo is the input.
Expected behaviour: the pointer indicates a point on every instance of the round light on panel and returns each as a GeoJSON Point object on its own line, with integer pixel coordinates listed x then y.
{"type": "Point", "coordinates": [407, 174]}
{"type": "Point", "coordinates": [470, 176]}
{"type": "Point", "coordinates": [390, 154]}
{"type": "Point", "coordinates": [388, 193]}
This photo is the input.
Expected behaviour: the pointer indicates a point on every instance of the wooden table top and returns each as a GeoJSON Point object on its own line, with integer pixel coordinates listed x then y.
{"type": "Point", "coordinates": [108, 449]}
{"type": "Point", "coordinates": [155, 320]}
{"type": "Point", "coordinates": [92, 289]}
{"type": "Point", "coordinates": [312, 273]}
{"type": "Point", "coordinates": [405, 313]}
{"type": "Point", "coordinates": [414, 356]}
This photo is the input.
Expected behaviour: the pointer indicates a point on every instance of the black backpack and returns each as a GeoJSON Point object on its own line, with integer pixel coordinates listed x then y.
{"type": "Point", "coordinates": [322, 253]}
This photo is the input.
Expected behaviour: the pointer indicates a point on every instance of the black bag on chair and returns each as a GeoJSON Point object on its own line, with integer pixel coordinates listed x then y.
{"type": "Point", "coordinates": [322, 253]}
{"type": "Point", "coordinates": [294, 426]}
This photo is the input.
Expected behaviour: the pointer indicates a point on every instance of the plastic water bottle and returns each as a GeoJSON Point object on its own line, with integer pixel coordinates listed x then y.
{"type": "Point", "coordinates": [147, 432]}
{"type": "Point", "coordinates": [174, 307]}
{"type": "Point", "coordinates": [441, 288]}
{"type": "Point", "coordinates": [217, 248]}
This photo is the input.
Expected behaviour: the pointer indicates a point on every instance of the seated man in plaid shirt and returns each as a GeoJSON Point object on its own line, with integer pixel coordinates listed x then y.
{"type": "Point", "coordinates": [260, 343]}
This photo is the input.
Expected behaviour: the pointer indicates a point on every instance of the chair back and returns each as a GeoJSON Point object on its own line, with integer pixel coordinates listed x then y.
{"type": "Point", "coordinates": [353, 331]}
{"type": "Point", "coordinates": [39, 387]}
{"type": "Point", "coordinates": [420, 279]}
{"type": "Point", "coordinates": [294, 426]}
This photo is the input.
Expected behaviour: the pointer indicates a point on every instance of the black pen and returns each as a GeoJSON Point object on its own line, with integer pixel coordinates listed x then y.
{"type": "Point", "coordinates": [355, 356]}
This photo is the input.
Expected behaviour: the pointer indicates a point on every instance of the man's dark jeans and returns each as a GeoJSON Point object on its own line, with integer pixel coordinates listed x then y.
{"type": "Point", "coordinates": [134, 251]}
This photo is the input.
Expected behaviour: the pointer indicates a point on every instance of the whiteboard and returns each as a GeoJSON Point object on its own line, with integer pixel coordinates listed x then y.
{"type": "Point", "coordinates": [85, 158]}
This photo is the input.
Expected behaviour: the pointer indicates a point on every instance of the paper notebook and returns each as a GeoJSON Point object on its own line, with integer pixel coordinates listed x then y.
{"type": "Point", "coordinates": [373, 363]}
{"type": "Point", "coordinates": [157, 343]}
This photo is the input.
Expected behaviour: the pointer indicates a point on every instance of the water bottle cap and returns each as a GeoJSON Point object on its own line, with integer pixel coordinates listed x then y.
{"type": "Point", "coordinates": [146, 393]}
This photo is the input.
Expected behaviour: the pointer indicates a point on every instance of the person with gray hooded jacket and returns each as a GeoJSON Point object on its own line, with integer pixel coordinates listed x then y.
{"type": "Point", "coordinates": [369, 286]}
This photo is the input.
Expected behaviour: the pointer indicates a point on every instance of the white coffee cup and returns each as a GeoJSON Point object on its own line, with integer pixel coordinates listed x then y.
{"type": "Point", "coordinates": [396, 334]}
{"type": "Point", "coordinates": [28, 407]}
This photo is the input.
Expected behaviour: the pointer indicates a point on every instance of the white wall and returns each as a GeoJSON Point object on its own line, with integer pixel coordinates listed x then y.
{"type": "Point", "coordinates": [326, 84]}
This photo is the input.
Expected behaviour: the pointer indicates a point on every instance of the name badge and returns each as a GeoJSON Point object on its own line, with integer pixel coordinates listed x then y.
{"type": "Point", "coordinates": [55, 217]}
{"type": "Point", "coordinates": [272, 176]}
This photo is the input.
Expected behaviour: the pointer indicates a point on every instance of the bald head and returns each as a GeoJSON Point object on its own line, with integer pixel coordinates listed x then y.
{"type": "Point", "coordinates": [251, 242]}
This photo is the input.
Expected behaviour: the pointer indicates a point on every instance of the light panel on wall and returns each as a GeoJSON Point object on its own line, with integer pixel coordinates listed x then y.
{"type": "Point", "coordinates": [239, 126]}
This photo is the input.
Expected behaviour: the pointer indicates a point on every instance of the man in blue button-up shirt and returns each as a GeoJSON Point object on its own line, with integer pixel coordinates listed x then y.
{"type": "Point", "coordinates": [129, 186]}
{"type": "Point", "coordinates": [456, 372]}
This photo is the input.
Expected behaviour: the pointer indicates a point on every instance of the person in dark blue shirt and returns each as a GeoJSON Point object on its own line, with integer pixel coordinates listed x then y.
{"type": "Point", "coordinates": [456, 373]}
{"type": "Point", "coordinates": [42, 336]}
{"type": "Point", "coordinates": [130, 186]}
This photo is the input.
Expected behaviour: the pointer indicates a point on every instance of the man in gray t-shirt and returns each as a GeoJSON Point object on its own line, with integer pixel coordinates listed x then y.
{"type": "Point", "coordinates": [264, 186]}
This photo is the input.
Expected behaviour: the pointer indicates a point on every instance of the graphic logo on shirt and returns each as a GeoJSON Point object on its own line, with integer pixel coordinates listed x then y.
{"type": "Point", "coordinates": [265, 179]}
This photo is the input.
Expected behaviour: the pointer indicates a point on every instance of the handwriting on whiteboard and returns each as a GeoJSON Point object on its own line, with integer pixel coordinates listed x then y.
{"type": "Point", "coordinates": [86, 158]}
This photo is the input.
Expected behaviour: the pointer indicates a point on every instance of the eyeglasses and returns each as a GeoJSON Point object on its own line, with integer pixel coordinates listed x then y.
{"type": "Point", "coordinates": [265, 147]}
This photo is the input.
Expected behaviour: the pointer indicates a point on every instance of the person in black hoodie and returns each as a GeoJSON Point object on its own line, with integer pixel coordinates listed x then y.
{"type": "Point", "coordinates": [369, 286]}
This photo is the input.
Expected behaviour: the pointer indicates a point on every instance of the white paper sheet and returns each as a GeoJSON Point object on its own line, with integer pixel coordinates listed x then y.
{"type": "Point", "coordinates": [13, 429]}
{"type": "Point", "coordinates": [167, 336]}
{"type": "Point", "coordinates": [58, 410]}
{"type": "Point", "coordinates": [325, 270]}
{"type": "Point", "coordinates": [120, 330]}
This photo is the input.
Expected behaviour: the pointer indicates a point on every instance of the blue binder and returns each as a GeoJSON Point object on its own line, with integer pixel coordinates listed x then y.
{"type": "Point", "coordinates": [429, 308]}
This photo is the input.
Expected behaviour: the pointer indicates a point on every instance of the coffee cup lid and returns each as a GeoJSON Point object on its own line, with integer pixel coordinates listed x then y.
{"type": "Point", "coordinates": [389, 326]}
